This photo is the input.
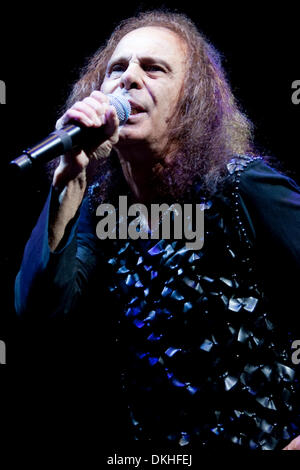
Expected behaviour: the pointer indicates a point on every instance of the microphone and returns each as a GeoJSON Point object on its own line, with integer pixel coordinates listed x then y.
{"type": "Point", "coordinates": [69, 137]}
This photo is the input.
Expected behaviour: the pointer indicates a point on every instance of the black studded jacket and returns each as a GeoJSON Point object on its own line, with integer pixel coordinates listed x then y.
{"type": "Point", "coordinates": [202, 339]}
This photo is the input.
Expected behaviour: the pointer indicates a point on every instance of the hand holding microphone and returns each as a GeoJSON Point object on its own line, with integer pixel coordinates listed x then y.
{"type": "Point", "coordinates": [98, 117]}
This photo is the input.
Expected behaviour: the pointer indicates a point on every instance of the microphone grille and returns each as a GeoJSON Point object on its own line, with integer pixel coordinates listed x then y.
{"type": "Point", "coordinates": [122, 105]}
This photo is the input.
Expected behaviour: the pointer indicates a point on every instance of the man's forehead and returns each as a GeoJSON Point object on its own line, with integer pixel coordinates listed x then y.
{"type": "Point", "coordinates": [151, 39]}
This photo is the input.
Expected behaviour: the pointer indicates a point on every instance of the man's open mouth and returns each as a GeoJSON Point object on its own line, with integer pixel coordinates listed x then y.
{"type": "Point", "coordinates": [136, 109]}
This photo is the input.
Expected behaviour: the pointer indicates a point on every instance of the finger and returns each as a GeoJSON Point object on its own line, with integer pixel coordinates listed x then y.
{"type": "Point", "coordinates": [100, 97]}
{"type": "Point", "coordinates": [89, 111]}
{"type": "Point", "coordinates": [112, 123]}
{"type": "Point", "coordinates": [99, 108]}
{"type": "Point", "coordinates": [78, 116]}
{"type": "Point", "coordinates": [59, 123]}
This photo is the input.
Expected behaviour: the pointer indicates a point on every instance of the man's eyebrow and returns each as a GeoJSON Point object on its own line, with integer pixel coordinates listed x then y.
{"type": "Point", "coordinates": [155, 60]}
{"type": "Point", "coordinates": [115, 60]}
{"type": "Point", "coordinates": [143, 60]}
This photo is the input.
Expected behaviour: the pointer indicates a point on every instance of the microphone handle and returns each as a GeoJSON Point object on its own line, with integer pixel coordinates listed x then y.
{"type": "Point", "coordinates": [57, 143]}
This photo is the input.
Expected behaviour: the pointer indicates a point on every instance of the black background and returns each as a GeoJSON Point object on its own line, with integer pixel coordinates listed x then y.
{"type": "Point", "coordinates": [43, 47]}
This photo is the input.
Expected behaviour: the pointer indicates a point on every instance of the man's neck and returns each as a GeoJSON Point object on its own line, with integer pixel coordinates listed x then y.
{"type": "Point", "coordinates": [138, 172]}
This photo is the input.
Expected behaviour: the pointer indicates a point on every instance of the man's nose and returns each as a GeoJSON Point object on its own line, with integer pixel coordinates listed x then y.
{"type": "Point", "coordinates": [132, 77]}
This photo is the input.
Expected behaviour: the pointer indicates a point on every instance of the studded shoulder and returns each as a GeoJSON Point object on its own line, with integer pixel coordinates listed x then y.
{"type": "Point", "coordinates": [239, 162]}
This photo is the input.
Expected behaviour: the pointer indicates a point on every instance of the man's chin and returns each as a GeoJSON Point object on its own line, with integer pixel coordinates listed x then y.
{"type": "Point", "coordinates": [129, 135]}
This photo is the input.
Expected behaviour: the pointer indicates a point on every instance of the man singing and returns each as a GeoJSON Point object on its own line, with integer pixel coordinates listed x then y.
{"type": "Point", "coordinates": [203, 337]}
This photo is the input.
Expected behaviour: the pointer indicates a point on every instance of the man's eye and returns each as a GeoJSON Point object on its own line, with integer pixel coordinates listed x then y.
{"type": "Point", "coordinates": [117, 68]}
{"type": "Point", "coordinates": [153, 68]}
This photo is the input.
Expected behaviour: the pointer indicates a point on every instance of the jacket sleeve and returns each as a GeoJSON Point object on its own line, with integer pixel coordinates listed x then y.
{"type": "Point", "coordinates": [50, 283]}
{"type": "Point", "coordinates": [272, 202]}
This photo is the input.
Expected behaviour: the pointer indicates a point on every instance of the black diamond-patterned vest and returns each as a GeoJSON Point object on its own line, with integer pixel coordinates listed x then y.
{"type": "Point", "coordinates": [203, 361]}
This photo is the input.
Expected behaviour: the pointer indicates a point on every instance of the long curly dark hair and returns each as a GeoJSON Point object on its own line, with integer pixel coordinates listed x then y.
{"type": "Point", "coordinates": [208, 126]}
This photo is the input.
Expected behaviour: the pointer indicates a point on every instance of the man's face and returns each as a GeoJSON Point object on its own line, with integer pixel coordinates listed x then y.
{"type": "Point", "coordinates": [149, 63]}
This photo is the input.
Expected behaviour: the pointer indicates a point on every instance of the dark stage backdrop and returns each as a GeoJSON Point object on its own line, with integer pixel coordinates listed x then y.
{"type": "Point", "coordinates": [43, 47]}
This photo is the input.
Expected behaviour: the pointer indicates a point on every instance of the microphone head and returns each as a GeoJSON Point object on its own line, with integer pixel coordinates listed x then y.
{"type": "Point", "coordinates": [122, 105]}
